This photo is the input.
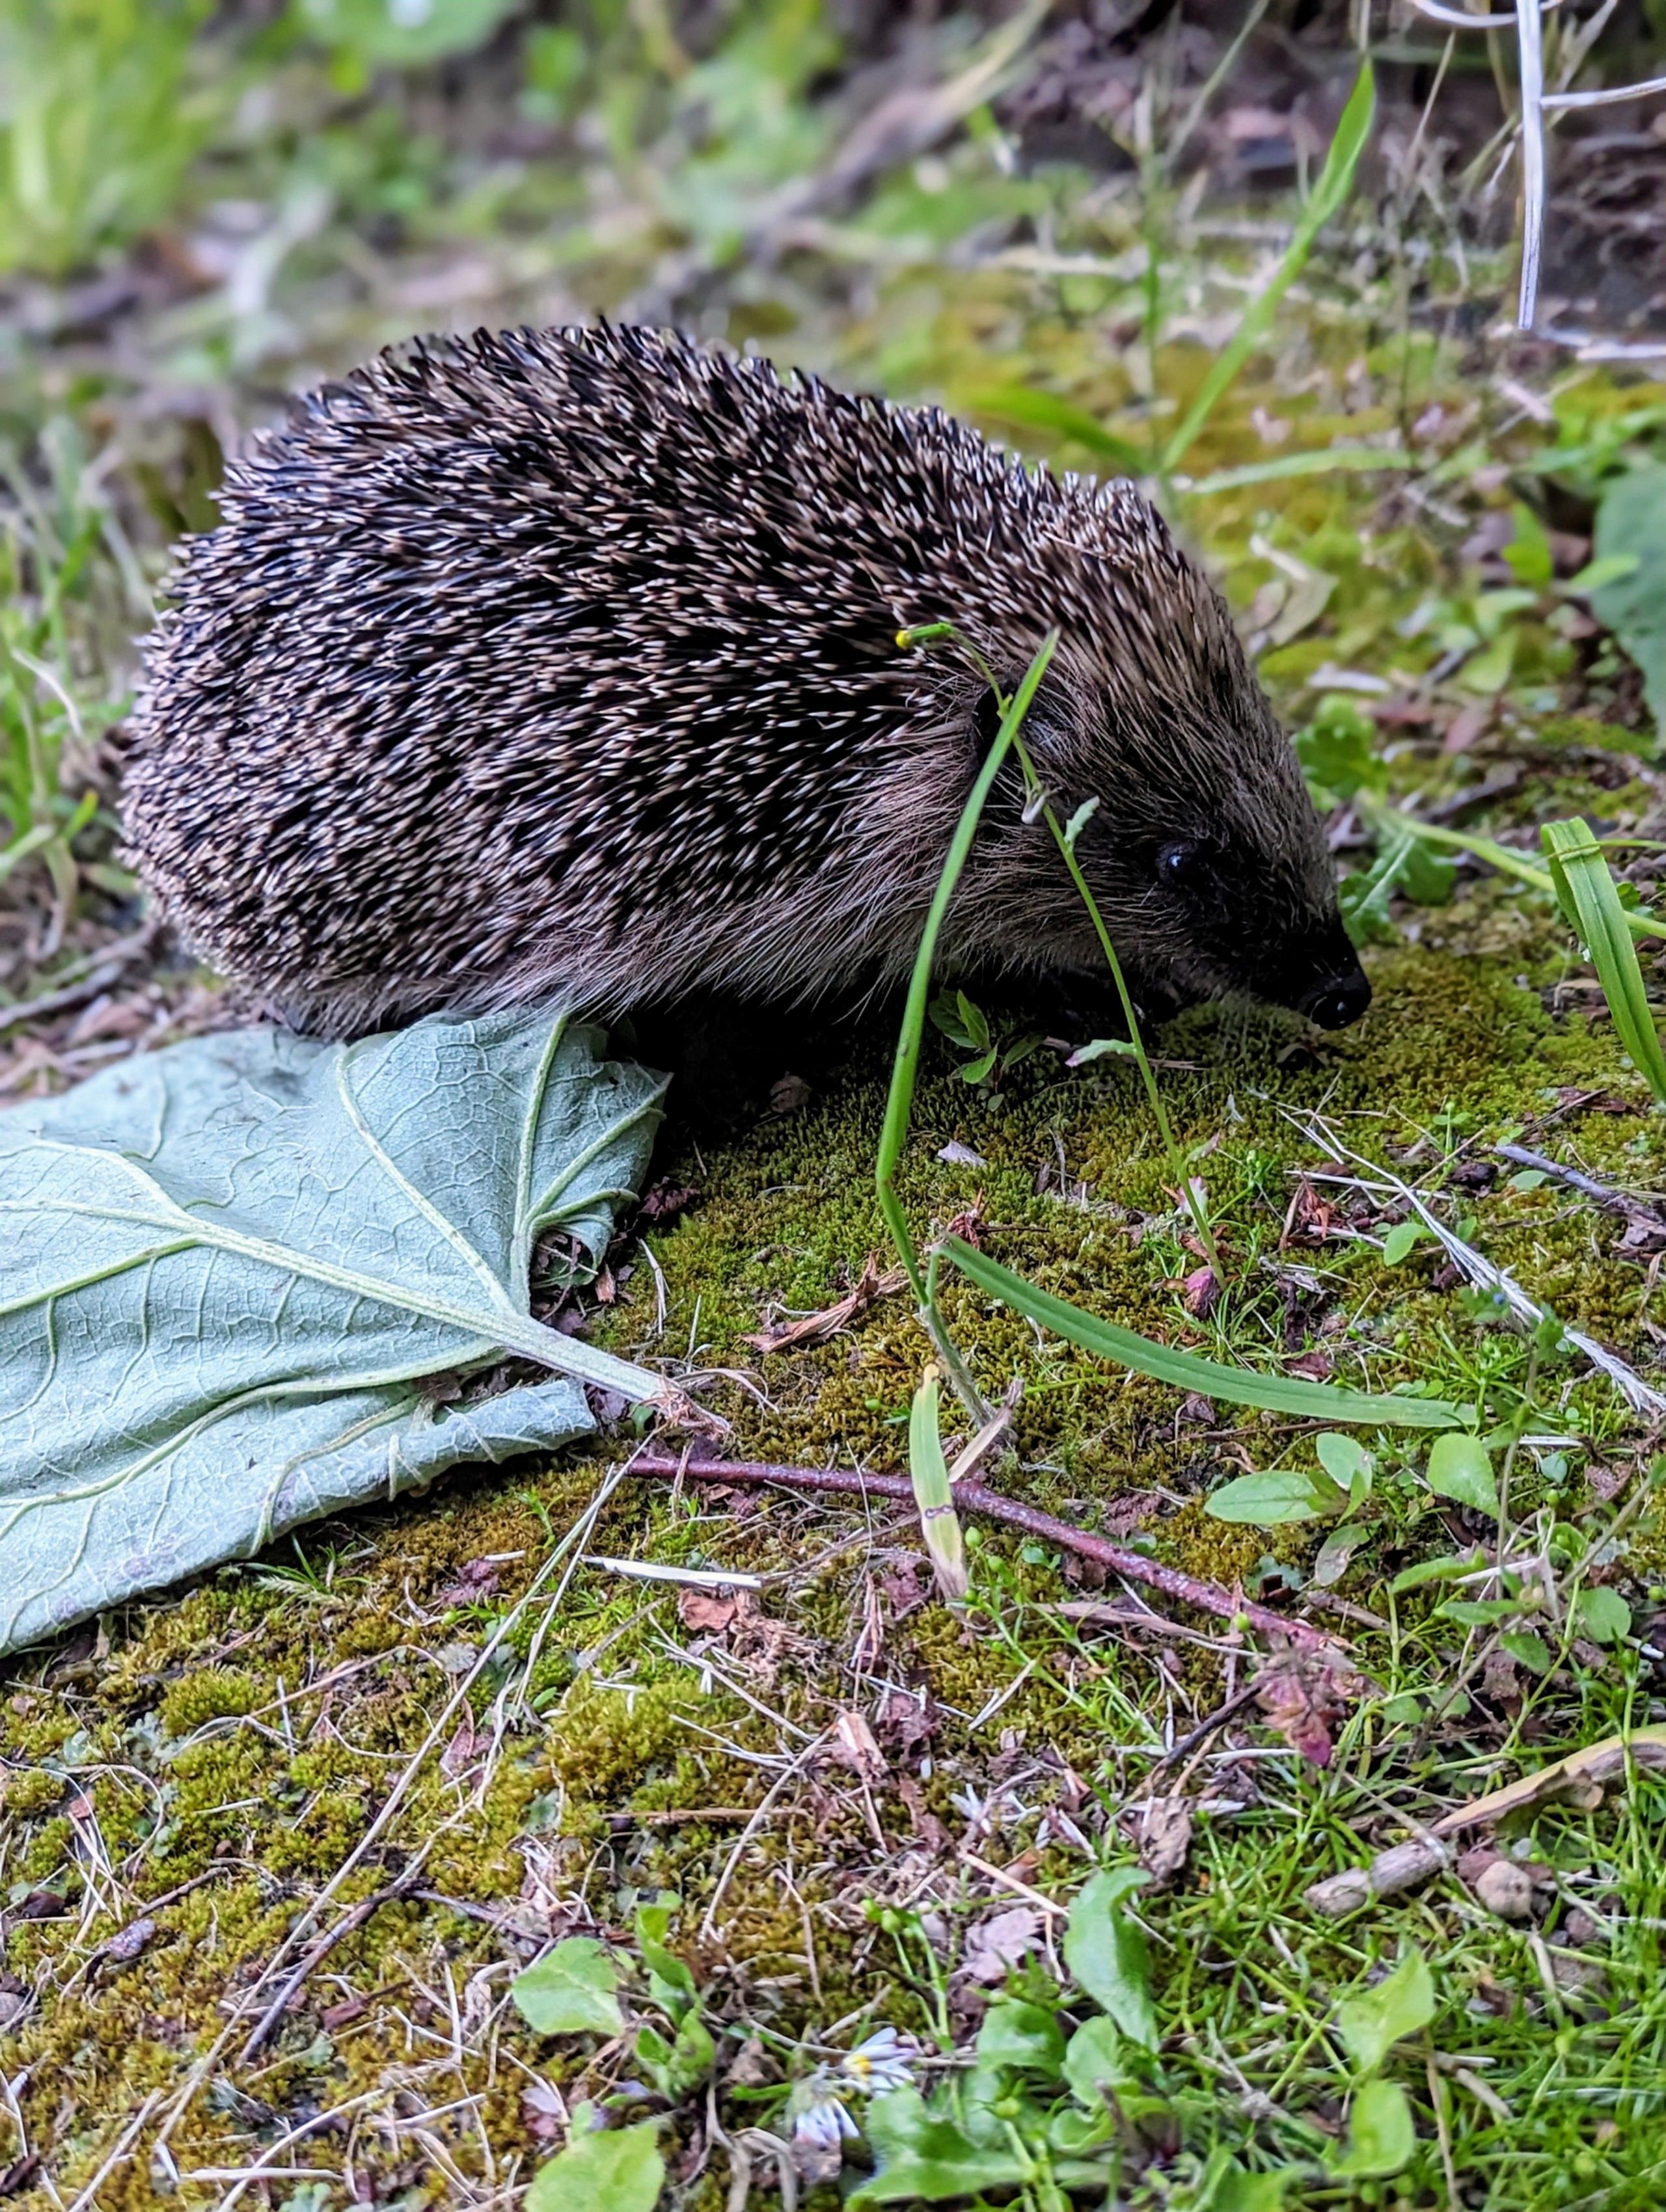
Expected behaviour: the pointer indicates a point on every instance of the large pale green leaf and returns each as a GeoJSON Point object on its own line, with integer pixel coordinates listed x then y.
{"type": "Point", "coordinates": [225, 1269]}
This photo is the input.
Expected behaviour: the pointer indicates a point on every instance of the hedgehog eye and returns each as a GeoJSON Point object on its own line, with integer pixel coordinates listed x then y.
{"type": "Point", "coordinates": [1177, 864]}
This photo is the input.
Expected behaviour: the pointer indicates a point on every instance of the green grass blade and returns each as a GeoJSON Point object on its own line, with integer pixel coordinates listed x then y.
{"type": "Point", "coordinates": [899, 1102]}
{"type": "Point", "coordinates": [1335, 182]}
{"type": "Point", "coordinates": [1240, 1386]}
{"type": "Point", "coordinates": [1586, 892]}
{"type": "Point", "coordinates": [928, 1471]}
{"type": "Point", "coordinates": [1027, 410]}
{"type": "Point", "coordinates": [1330, 460]}
{"type": "Point", "coordinates": [1505, 858]}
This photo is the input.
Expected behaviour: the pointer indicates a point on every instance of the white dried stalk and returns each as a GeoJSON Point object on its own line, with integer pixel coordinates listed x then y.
{"type": "Point", "coordinates": [1372, 1176]}
{"type": "Point", "coordinates": [1527, 19]}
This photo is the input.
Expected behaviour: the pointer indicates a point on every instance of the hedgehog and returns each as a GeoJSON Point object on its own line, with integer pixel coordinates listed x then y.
{"type": "Point", "coordinates": [566, 666]}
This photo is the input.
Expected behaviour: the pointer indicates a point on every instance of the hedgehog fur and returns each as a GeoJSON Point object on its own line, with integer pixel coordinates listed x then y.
{"type": "Point", "coordinates": [563, 664]}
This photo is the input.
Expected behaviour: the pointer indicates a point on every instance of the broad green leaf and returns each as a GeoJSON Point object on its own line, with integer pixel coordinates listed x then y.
{"type": "Point", "coordinates": [1240, 1386]}
{"type": "Point", "coordinates": [1459, 1468]}
{"type": "Point", "coordinates": [402, 33]}
{"type": "Point", "coordinates": [1335, 181]}
{"type": "Point", "coordinates": [1077, 2135]}
{"type": "Point", "coordinates": [1529, 1650]}
{"type": "Point", "coordinates": [229, 1267]}
{"type": "Point", "coordinates": [973, 1020]}
{"type": "Point", "coordinates": [1017, 2034]}
{"type": "Point", "coordinates": [1589, 900]}
{"type": "Point", "coordinates": [1225, 2186]}
{"type": "Point", "coordinates": [679, 2065]}
{"type": "Point", "coordinates": [673, 1979]}
{"type": "Point", "coordinates": [1631, 521]}
{"type": "Point", "coordinates": [1527, 555]}
{"type": "Point", "coordinates": [570, 1991]}
{"type": "Point", "coordinates": [1093, 2062]}
{"type": "Point", "coordinates": [1107, 1954]}
{"type": "Point", "coordinates": [615, 2170]}
{"type": "Point", "coordinates": [1372, 2023]}
{"type": "Point", "coordinates": [1381, 2138]}
{"type": "Point", "coordinates": [1344, 1459]}
{"type": "Point", "coordinates": [1450, 1567]}
{"type": "Point", "coordinates": [1270, 1500]}
{"type": "Point", "coordinates": [1403, 1239]}
{"type": "Point", "coordinates": [945, 1013]}
{"type": "Point", "coordinates": [1603, 1615]}
{"type": "Point", "coordinates": [924, 2157]}
{"type": "Point", "coordinates": [1338, 750]}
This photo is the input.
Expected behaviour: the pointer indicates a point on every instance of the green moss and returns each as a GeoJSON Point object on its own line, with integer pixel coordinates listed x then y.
{"type": "Point", "coordinates": [212, 1693]}
{"type": "Point", "coordinates": [609, 1740]}
{"type": "Point", "coordinates": [32, 1790]}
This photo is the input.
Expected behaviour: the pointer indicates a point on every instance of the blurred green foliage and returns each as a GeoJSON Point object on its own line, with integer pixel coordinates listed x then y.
{"type": "Point", "coordinates": [365, 35]}
{"type": "Point", "coordinates": [99, 117]}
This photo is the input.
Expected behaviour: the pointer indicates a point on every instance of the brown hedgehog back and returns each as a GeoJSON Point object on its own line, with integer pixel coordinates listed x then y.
{"type": "Point", "coordinates": [563, 664]}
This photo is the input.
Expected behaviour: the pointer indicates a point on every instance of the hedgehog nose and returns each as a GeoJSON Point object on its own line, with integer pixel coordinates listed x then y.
{"type": "Point", "coordinates": [1338, 1000]}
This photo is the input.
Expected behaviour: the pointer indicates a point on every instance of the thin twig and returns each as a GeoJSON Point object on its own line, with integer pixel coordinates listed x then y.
{"type": "Point", "coordinates": [326, 1943]}
{"type": "Point", "coordinates": [1605, 1196]}
{"type": "Point", "coordinates": [978, 1498]}
{"type": "Point", "coordinates": [1207, 1727]}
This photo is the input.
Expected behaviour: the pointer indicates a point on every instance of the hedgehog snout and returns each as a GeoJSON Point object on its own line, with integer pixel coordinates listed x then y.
{"type": "Point", "coordinates": [1325, 981]}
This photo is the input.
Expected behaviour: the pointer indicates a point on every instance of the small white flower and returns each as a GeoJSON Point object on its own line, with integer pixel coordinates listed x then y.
{"type": "Point", "coordinates": [884, 2061]}
{"type": "Point", "coordinates": [824, 2125]}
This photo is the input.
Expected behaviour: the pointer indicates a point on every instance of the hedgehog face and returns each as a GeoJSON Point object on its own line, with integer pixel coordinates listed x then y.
{"type": "Point", "coordinates": [1205, 854]}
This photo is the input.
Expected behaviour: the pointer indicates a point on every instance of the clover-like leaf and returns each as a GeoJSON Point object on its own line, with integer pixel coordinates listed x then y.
{"type": "Point", "coordinates": [226, 1269]}
{"type": "Point", "coordinates": [1382, 2137]}
{"type": "Point", "coordinates": [570, 1991]}
{"type": "Point", "coordinates": [1372, 2023]}
{"type": "Point", "coordinates": [1460, 1469]}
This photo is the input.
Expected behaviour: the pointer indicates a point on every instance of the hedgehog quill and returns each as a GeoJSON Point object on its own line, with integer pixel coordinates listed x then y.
{"type": "Point", "coordinates": [562, 665]}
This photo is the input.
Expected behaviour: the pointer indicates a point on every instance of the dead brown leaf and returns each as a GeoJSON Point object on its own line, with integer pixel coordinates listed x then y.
{"type": "Point", "coordinates": [1164, 1836]}
{"type": "Point", "coordinates": [995, 1946]}
{"type": "Point", "coordinates": [817, 1327]}
{"type": "Point", "coordinates": [1304, 1695]}
{"type": "Point", "coordinates": [459, 1754]}
{"type": "Point", "coordinates": [856, 1746]}
{"type": "Point", "coordinates": [904, 1721]}
{"type": "Point", "coordinates": [709, 1613]}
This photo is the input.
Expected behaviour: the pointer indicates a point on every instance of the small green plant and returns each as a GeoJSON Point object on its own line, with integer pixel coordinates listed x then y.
{"type": "Point", "coordinates": [1239, 1386]}
{"type": "Point", "coordinates": [966, 1024]}
{"type": "Point", "coordinates": [1042, 2110]}
{"type": "Point", "coordinates": [364, 35]}
{"type": "Point", "coordinates": [1340, 1484]}
{"type": "Point", "coordinates": [41, 711]}
{"type": "Point", "coordinates": [575, 1989]}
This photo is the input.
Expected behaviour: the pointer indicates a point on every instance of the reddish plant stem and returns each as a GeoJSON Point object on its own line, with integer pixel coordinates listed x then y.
{"type": "Point", "coordinates": [978, 1498]}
